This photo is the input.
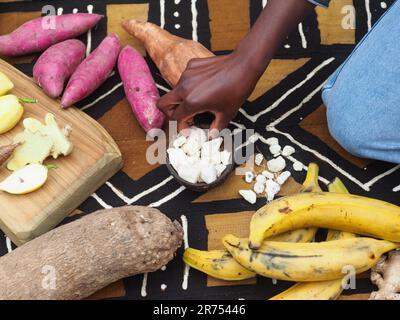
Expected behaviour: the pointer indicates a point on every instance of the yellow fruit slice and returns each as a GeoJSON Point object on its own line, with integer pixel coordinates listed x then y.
{"type": "Point", "coordinates": [11, 112]}
{"type": "Point", "coordinates": [25, 180]}
{"type": "Point", "coordinates": [5, 84]}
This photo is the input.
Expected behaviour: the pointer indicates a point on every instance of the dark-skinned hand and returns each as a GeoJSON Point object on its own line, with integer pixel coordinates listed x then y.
{"type": "Point", "coordinates": [221, 84]}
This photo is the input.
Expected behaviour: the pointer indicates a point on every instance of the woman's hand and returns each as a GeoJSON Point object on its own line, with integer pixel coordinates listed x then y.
{"type": "Point", "coordinates": [219, 85]}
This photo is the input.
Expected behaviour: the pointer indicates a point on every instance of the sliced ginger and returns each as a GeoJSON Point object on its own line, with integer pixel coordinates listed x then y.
{"type": "Point", "coordinates": [386, 276]}
{"type": "Point", "coordinates": [39, 141]}
{"type": "Point", "coordinates": [61, 144]}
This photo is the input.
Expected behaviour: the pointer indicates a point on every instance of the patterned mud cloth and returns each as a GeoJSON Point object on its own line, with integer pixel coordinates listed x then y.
{"type": "Point", "coordinates": [286, 100]}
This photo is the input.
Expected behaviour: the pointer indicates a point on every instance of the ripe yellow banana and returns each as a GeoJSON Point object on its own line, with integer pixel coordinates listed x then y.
{"type": "Point", "coordinates": [221, 265]}
{"type": "Point", "coordinates": [300, 262]}
{"type": "Point", "coordinates": [310, 184]}
{"type": "Point", "coordinates": [322, 290]}
{"type": "Point", "coordinates": [337, 186]}
{"type": "Point", "coordinates": [336, 211]}
{"type": "Point", "coordinates": [217, 263]}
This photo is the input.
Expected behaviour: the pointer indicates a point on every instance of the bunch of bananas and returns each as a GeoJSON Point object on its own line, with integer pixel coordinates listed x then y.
{"type": "Point", "coordinates": [281, 233]}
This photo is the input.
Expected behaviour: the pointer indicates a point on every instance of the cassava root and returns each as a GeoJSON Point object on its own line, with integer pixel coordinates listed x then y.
{"type": "Point", "coordinates": [80, 258]}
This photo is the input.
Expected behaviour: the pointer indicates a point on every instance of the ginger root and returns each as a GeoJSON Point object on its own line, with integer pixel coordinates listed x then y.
{"type": "Point", "coordinates": [386, 275]}
{"type": "Point", "coordinates": [40, 141]}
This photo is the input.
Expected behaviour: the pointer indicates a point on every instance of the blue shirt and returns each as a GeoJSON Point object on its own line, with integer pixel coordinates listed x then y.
{"type": "Point", "coordinates": [323, 3]}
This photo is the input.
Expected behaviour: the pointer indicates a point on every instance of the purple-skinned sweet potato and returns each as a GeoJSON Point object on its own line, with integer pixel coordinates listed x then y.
{"type": "Point", "coordinates": [92, 72]}
{"type": "Point", "coordinates": [39, 34]}
{"type": "Point", "coordinates": [140, 89]}
{"type": "Point", "coordinates": [57, 64]}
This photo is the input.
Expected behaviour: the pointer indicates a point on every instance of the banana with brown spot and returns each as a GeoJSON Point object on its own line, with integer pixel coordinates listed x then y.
{"type": "Point", "coordinates": [216, 263]}
{"type": "Point", "coordinates": [344, 212]}
{"type": "Point", "coordinates": [321, 290]}
{"type": "Point", "coordinates": [303, 262]}
{"type": "Point", "coordinates": [221, 265]}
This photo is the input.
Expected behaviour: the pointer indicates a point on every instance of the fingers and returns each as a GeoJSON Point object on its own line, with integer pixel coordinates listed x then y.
{"type": "Point", "coordinates": [220, 123]}
{"type": "Point", "coordinates": [183, 125]}
{"type": "Point", "coordinates": [182, 112]}
{"type": "Point", "coordinates": [183, 115]}
{"type": "Point", "coordinates": [169, 102]}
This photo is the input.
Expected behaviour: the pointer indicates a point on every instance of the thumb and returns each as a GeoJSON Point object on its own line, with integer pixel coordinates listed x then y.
{"type": "Point", "coordinates": [169, 102]}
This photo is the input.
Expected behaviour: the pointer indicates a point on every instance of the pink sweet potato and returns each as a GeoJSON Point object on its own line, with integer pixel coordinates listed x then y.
{"type": "Point", "coordinates": [39, 34]}
{"type": "Point", "coordinates": [140, 89]}
{"type": "Point", "coordinates": [92, 72]}
{"type": "Point", "coordinates": [56, 65]}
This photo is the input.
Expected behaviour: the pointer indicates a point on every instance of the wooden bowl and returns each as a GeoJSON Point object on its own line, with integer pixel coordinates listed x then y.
{"type": "Point", "coordinates": [201, 187]}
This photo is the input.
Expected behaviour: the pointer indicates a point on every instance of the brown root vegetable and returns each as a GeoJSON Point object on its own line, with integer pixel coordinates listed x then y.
{"type": "Point", "coordinates": [39, 141]}
{"type": "Point", "coordinates": [79, 258]}
{"type": "Point", "coordinates": [170, 53]}
{"type": "Point", "coordinates": [386, 276]}
{"type": "Point", "coordinates": [6, 152]}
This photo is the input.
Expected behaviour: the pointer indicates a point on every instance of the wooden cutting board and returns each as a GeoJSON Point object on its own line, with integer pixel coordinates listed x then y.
{"type": "Point", "coordinates": [94, 160]}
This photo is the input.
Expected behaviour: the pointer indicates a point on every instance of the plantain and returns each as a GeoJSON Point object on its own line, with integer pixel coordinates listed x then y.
{"type": "Point", "coordinates": [335, 211]}
{"type": "Point", "coordinates": [311, 184]}
{"type": "Point", "coordinates": [322, 290]}
{"type": "Point", "coordinates": [220, 263]}
{"type": "Point", "coordinates": [337, 186]}
{"type": "Point", "coordinates": [216, 263]}
{"type": "Point", "coordinates": [304, 262]}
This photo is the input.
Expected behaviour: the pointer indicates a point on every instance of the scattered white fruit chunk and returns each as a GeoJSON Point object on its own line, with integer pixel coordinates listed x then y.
{"type": "Point", "coordinates": [272, 141]}
{"type": "Point", "coordinates": [297, 166]}
{"type": "Point", "coordinates": [220, 169]}
{"type": "Point", "coordinates": [249, 177]}
{"type": "Point", "coordinates": [261, 179]}
{"type": "Point", "coordinates": [179, 142]}
{"type": "Point", "coordinates": [25, 180]}
{"type": "Point", "coordinates": [258, 159]}
{"type": "Point", "coordinates": [197, 137]}
{"type": "Point", "coordinates": [283, 177]}
{"type": "Point", "coordinates": [248, 195]}
{"type": "Point", "coordinates": [193, 159]}
{"type": "Point", "coordinates": [275, 149]}
{"type": "Point", "coordinates": [189, 173]}
{"type": "Point", "coordinates": [208, 174]}
{"type": "Point", "coordinates": [211, 148]}
{"type": "Point", "coordinates": [259, 187]}
{"type": "Point", "coordinates": [196, 159]}
{"type": "Point", "coordinates": [267, 174]}
{"type": "Point", "coordinates": [276, 165]}
{"type": "Point", "coordinates": [176, 157]}
{"type": "Point", "coordinates": [225, 157]}
{"type": "Point", "coordinates": [272, 189]}
{"type": "Point", "coordinates": [288, 151]}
